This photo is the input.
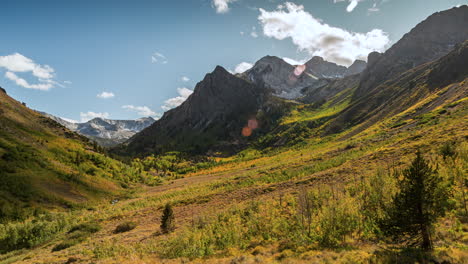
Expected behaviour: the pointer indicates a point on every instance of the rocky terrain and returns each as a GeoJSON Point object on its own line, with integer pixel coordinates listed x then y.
{"type": "Point", "coordinates": [106, 132]}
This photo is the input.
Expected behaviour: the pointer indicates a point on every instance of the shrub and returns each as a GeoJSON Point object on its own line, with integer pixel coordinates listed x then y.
{"type": "Point", "coordinates": [125, 227]}
{"type": "Point", "coordinates": [67, 244]}
{"type": "Point", "coordinates": [168, 219]}
{"type": "Point", "coordinates": [86, 228]}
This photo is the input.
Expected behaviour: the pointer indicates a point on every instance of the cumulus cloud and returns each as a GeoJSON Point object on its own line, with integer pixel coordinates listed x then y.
{"type": "Point", "coordinates": [158, 58]}
{"type": "Point", "coordinates": [85, 117]}
{"type": "Point", "coordinates": [18, 63]}
{"type": "Point", "coordinates": [183, 92]}
{"type": "Point", "coordinates": [221, 6]}
{"type": "Point", "coordinates": [185, 79]}
{"type": "Point", "coordinates": [141, 110]}
{"type": "Point", "coordinates": [319, 39]}
{"type": "Point", "coordinates": [106, 95]}
{"type": "Point", "coordinates": [243, 67]}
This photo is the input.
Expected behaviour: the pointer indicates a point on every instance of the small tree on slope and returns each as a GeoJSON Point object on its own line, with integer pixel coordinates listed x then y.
{"type": "Point", "coordinates": [423, 198]}
{"type": "Point", "coordinates": [168, 219]}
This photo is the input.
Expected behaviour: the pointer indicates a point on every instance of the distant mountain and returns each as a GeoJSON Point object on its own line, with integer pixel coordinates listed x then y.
{"type": "Point", "coordinates": [105, 131]}
{"type": "Point", "coordinates": [288, 81]}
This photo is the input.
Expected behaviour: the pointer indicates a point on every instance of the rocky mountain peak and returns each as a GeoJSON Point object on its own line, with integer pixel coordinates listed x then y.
{"type": "Point", "coordinates": [429, 40]}
{"type": "Point", "coordinates": [3, 90]}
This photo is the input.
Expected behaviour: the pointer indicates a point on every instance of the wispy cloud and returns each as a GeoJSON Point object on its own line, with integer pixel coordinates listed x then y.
{"type": "Point", "coordinates": [254, 34]}
{"type": "Point", "coordinates": [18, 63]}
{"type": "Point", "coordinates": [141, 110]}
{"type": "Point", "coordinates": [22, 82]}
{"type": "Point", "coordinates": [158, 58]}
{"type": "Point", "coordinates": [183, 92]}
{"type": "Point", "coordinates": [106, 95]}
{"type": "Point", "coordinates": [185, 79]}
{"type": "Point", "coordinates": [319, 39]}
{"type": "Point", "coordinates": [221, 6]}
{"type": "Point", "coordinates": [85, 117]}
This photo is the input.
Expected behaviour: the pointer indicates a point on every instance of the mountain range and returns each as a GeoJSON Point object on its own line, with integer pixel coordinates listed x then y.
{"type": "Point", "coordinates": [106, 132]}
{"type": "Point", "coordinates": [214, 116]}
{"type": "Point", "coordinates": [278, 163]}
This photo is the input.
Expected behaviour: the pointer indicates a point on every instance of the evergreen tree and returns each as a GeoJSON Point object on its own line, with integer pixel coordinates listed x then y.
{"type": "Point", "coordinates": [423, 198]}
{"type": "Point", "coordinates": [168, 219]}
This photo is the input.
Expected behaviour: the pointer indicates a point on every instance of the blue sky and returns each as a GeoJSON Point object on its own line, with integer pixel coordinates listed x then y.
{"type": "Point", "coordinates": [144, 56]}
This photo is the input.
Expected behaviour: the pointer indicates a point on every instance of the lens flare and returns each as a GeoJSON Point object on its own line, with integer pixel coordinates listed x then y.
{"type": "Point", "coordinates": [246, 132]}
{"type": "Point", "coordinates": [253, 124]}
{"type": "Point", "coordinates": [299, 70]}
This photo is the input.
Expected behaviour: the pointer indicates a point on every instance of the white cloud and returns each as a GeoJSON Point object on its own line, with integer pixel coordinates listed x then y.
{"type": "Point", "coordinates": [222, 6]}
{"type": "Point", "coordinates": [294, 62]}
{"type": "Point", "coordinates": [185, 79]}
{"type": "Point", "coordinates": [22, 82]}
{"type": "Point", "coordinates": [141, 110]}
{"type": "Point", "coordinates": [374, 8]}
{"type": "Point", "coordinates": [67, 82]}
{"type": "Point", "coordinates": [242, 67]}
{"type": "Point", "coordinates": [85, 117]}
{"type": "Point", "coordinates": [242, 33]}
{"type": "Point", "coordinates": [106, 95]}
{"type": "Point", "coordinates": [16, 62]}
{"type": "Point", "coordinates": [254, 32]}
{"type": "Point", "coordinates": [183, 92]}
{"type": "Point", "coordinates": [352, 5]}
{"type": "Point", "coordinates": [319, 39]}
{"type": "Point", "coordinates": [158, 58]}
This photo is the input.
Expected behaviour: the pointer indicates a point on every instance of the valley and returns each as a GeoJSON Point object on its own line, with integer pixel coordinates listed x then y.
{"type": "Point", "coordinates": [312, 163]}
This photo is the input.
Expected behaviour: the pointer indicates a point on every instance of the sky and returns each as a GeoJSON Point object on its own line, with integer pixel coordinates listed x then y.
{"type": "Point", "coordinates": [127, 59]}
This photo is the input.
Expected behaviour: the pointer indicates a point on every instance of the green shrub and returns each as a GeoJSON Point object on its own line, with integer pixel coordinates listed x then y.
{"type": "Point", "coordinates": [125, 227]}
{"type": "Point", "coordinates": [67, 244]}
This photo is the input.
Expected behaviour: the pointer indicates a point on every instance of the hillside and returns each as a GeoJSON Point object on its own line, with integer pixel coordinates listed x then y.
{"type": "Point", "coordinates": [43, 164]}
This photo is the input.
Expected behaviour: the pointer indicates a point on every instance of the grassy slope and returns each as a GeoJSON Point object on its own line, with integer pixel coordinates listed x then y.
{"type": "Point", "coordinates": [42, 164]}
{"type": "Point", "coordinates": [336, 160]}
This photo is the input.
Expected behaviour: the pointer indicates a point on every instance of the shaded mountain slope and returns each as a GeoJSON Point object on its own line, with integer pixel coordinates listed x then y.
{"type": "Point", "coordinates": [215, 114]}
{"type": "Point", "coordinates": [429, 40]}
{"type": "Point", "coordinates": [427, 86]}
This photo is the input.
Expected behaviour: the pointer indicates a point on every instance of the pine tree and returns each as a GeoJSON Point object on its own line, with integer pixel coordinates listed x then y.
{"type": "Point", "coordinates": [168, 219]}
{"type": "Point", "coordinates": [423, 198]}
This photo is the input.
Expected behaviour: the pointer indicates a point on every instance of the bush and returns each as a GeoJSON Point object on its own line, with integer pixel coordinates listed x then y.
{"type": "Point", "coordinates": [125, 227]}
{"type": "Point", "coordinates": [168, 219]}
{"type": "Point", "coordinates": [86, 228]}
{"type": "Point", "coordinates": [67, 244]}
